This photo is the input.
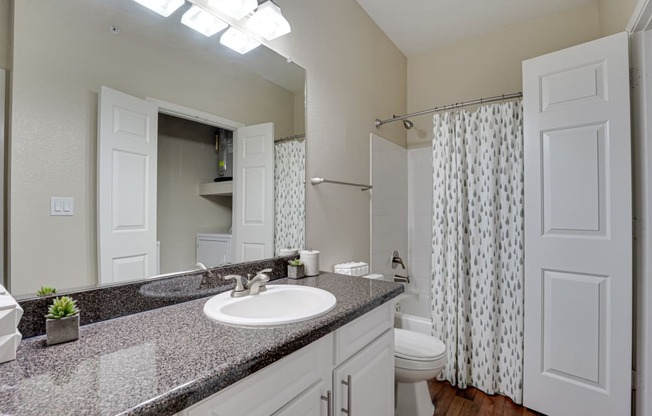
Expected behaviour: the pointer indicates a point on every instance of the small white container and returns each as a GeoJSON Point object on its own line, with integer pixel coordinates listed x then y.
{"type": "Point", "coordinates": [8, 346]}
{"type": "Point", "coordinates": [10, 314]}
{"type": "Point", "coordinates": [310, 260]}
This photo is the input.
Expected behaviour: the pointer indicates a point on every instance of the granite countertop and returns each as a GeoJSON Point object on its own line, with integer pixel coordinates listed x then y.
{"type": "Point", "coordinates": [164, 360]}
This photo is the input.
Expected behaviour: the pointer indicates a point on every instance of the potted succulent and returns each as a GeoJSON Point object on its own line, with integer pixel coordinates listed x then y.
{"type": "Point", "coordinates": [295, 269]}
{"type": "Point", "coordinates": [62, 323]}
{"type": "Point", "coordinates": [46, 291]}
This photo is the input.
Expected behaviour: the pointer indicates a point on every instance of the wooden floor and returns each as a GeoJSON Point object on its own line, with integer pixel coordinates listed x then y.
{"type": "Point", "coordinates": [449, 401]}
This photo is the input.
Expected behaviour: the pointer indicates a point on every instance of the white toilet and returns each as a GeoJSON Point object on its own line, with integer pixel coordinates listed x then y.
{"type": "Point", "coordinates": [417, 358]}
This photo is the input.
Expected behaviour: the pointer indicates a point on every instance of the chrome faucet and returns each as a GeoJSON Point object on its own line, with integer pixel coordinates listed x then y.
{"type": "Point", "coordinates": [252, 286]}
{"type": "Point", "coordinates": [238, 290]}
{"type": "Point", "coordinates": [257, 284]}
{"type": "Point", "coordinates": [200, 266]}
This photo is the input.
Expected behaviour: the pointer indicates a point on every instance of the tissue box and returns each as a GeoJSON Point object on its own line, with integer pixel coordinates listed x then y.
{"type": "Point", "coordinates": [8, 346]}
{"type": "Point", "coordinates": [10, 314]}
{"type": "Point", "coordinates": [352, 268]}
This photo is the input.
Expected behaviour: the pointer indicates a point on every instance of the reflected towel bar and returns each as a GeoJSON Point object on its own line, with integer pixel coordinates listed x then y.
{"type": "Point", "coordinates": [317, 181]}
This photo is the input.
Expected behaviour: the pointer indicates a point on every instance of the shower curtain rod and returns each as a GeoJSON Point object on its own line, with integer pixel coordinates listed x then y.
{"type": "Point", "coordinates": [288, 138]}
{"type": "Point", "coordinates": [451, 107]}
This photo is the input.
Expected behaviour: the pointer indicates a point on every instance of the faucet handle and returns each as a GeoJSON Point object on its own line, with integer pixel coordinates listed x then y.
{"type": "Point", "coordinates": [263, 279]}
{"type": "Point", "coordinates": [238, 282]}
{"type": "Point", "coordinates": [397, 260]}
{"type": "Point", "coordinates": [263, 276]}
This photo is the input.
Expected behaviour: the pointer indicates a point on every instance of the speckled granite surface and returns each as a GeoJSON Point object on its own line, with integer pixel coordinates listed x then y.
{"type": "Point", "coordinates": [161, 361]}
{"type": "Point", "coordinates": [104, 302]}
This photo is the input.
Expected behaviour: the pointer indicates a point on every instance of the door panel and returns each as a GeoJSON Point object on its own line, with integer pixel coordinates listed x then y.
{"type": "Point", "coordinates": [575, 304]}
{"type": "Point", "coordinates": [578, 243]}
{"type": "Point", "coordinates": [573, 180]}
{"type": "Point", "coordinates": [253, 193]}
{"type": "Point", "coordinates": [371, 376]}
{"type": "Point", "coordinates": [127, 151]}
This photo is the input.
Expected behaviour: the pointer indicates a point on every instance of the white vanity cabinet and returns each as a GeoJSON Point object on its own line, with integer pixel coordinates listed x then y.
{"type": "Point", "coordinates": [351, 368]}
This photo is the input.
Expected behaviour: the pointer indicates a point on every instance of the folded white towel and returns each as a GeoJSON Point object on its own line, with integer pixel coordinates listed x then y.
{"type": "Point", "coordinates": [10, 314]}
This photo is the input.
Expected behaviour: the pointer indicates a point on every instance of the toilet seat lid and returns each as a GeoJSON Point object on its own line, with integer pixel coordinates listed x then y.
{"type": "Point", "coordinates": [412, 345]}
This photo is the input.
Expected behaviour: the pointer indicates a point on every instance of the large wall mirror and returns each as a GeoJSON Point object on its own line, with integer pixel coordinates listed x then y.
{"type": "Point", "coordinates": [84, 198]}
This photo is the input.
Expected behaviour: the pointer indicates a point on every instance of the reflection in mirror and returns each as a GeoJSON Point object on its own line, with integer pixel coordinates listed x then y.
{"type": "Point", "coordinates": [204, 95]}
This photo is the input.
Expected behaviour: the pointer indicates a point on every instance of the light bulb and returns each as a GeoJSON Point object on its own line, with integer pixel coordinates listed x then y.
{"type": "Point", "coordinates": [162, 7]}
{"type": "Point", "coordinates": [236, 9]}
{"type": "Point", "coordinates": [268, 21]}
{"type": "Point", "coordinates": [202, 21]}
{"type": "Point", "coordinates": [238, 41]}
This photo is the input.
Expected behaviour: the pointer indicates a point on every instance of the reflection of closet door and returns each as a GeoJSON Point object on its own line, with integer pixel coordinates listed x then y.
{"type": "Point", "coordinates": [126, 210]}
{"type": "Point", "coordinates": [578, 230]}
{"type": "Point", "coordinates": [3, 94]}
{"type": "Point", "coordinates": [253, 193]}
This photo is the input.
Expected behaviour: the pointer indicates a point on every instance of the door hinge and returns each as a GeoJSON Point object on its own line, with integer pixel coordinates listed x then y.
{"type": "Point", "coordinates": [637, 230]}
{"type": "Point", "coordinates": [633, 77]}
{"type": "Point", "coordinates": [634, 379]}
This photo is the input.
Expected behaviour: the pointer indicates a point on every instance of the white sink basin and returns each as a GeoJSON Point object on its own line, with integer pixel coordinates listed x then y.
{"type": "Point", "coordinates": [280, 304]}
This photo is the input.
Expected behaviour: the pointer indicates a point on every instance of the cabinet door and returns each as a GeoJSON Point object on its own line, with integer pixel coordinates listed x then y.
{"type": "Point", "coordinates": [364, 384]}
{"type": "Point", "coordinates": [312, 402]}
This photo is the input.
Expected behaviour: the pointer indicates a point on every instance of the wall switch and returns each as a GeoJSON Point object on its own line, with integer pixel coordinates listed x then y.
{"type": "Point", "coordinates": [62, 205]}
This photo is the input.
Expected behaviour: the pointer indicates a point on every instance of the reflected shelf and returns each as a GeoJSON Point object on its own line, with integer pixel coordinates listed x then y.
{"type": "Point", "coordinates": [216, 188]}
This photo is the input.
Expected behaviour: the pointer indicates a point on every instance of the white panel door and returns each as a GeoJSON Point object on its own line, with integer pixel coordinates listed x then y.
{"type": "Point", "coordinates": [127, 149]}
{"type": "Point", "coordinates": [253, 193]}
{"type": "Point", "coordinates": [578, 241]}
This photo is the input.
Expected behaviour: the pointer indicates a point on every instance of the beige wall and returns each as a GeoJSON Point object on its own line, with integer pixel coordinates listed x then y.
{"type": "Point", "coordinates": [58, 71]}
{"type": "Point", "coordinates": [355, 75]}
{"type": "Point", "coordinates": [186, 158]}
{"type": "Point", "coordinates": [614, 15]}
{"type": "Point", "coordinates": [489, 65]}
{"type": "Point", "coordinates": [5, 33]}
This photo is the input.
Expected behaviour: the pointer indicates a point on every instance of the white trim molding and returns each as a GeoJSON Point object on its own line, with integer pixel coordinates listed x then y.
{"type": "Point", "coordinates": [641, 18]}
{"type": "Point", "coordinates": [191, 114]}
{"type": "Point", "coordinates": [3, 139]}
{"type": "Point", "coordinates": [640, 29]}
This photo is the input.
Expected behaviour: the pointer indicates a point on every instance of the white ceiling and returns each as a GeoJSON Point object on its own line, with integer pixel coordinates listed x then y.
{"type": "Point", "coordinates": [417, 26]}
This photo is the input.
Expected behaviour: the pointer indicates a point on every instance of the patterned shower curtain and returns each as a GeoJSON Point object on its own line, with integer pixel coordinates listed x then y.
{"type": "Point", "coordinates": [290, 195]}
{"type": "Point", "coordinates": [477, 253]}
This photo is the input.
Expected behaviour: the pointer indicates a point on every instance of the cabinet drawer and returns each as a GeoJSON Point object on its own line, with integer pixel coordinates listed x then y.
{"type": "Point", "coordinates": [355, 335]}
{"type": "Point", "coordinates": [269, 389]}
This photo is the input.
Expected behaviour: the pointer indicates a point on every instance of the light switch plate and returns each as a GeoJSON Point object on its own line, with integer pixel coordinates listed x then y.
{"type": "Point", "coordinates": [62, 206]}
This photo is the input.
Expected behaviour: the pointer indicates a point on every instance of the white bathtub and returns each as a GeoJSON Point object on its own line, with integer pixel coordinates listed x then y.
{"type": "Point", "coordinates": [412, 311]}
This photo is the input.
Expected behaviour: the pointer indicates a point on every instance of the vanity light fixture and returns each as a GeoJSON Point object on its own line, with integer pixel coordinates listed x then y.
{"type": "Point", "coordinates": [162, 7]}
{"type": "Point", "coordinates": [268, 21]}
{"type": "Point", "coordinates": [238, 41]}
{"type": "Point", "coordinates": [236, 9]}
{"type": "Point", "coordinates": [202, 21]}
